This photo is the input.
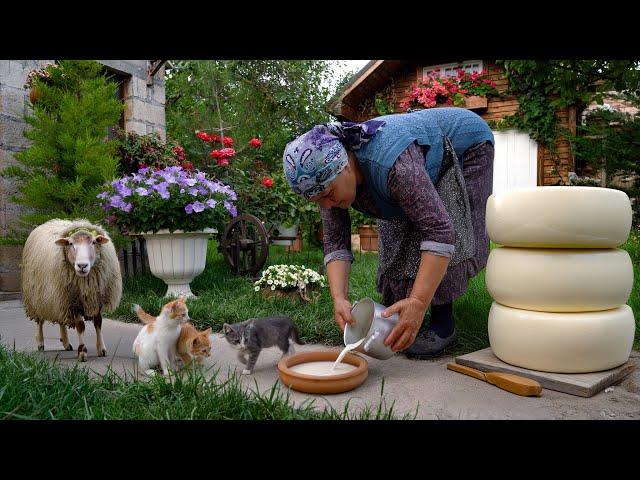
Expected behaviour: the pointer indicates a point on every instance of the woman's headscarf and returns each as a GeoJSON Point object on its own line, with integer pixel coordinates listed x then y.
{"type": "Point", "coordinates": [313, 160]}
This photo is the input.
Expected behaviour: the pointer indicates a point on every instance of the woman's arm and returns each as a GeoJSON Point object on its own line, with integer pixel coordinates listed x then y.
{"type": "Point", "coordinates": [336, 226]}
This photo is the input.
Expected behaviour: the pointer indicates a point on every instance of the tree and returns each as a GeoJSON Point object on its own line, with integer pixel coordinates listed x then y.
{"type": "Point", "coordinates": [274, 100]}
{"type": "Point", "coordinates": [70, 159]}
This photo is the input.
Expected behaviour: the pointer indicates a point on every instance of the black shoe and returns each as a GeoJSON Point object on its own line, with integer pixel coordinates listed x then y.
{"type": "Point", "coordinates": [429, 345]}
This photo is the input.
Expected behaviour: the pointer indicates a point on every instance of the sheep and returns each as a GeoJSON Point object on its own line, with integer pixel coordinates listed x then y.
{"type": "Point", "coordinates": [70, 272]}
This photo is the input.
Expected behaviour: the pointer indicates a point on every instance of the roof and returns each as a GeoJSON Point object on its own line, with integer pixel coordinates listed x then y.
{"type": "Point", "coordinates": [371, 78]}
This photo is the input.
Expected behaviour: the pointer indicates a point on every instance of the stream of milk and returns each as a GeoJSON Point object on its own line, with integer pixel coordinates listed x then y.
{"type": "Point", "coordinates": [351, 346]}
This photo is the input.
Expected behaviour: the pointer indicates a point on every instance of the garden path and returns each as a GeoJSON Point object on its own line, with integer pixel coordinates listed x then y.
{"type": "Point", "coordinates": [436, 393]}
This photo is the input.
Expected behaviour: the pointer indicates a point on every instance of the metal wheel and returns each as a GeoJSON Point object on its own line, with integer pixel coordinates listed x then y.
{"type": "Point", "coordinates": [245, 245]}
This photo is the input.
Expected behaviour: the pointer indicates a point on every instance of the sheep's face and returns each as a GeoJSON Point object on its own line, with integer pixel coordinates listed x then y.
{"type": "Point", "coordinates": [81, 250]}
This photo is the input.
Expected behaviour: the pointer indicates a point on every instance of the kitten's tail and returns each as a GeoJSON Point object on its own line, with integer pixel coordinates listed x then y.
{"type": "Point", "coordinates": [295, 336]}
{"type": "Point", "coordinates": [142, 315]}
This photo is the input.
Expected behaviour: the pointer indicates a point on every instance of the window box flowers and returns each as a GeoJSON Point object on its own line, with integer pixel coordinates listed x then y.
{"type": "Point", "coordinates": [175, 210]}
{"type": "Point", "coordinates": [467, 90]}
{"type": "Point", "coordinates": [291, 281]}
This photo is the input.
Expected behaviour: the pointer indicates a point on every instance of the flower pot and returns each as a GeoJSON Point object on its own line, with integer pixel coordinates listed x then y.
{"type": "Point", "coordinates": [177, 258]}
{"type": "Point", "coordinates": [35, 95]}
{"type": "Point", "coordinates": [286, 232]}
{"type": "Point", "coordinates": [475, 102]}
{"type": "Point", "coordinates": [310, 293]}
{"type": "Point", "coordinates": [368, 238]}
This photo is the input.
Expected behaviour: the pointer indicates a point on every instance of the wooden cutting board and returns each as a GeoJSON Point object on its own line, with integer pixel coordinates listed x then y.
{"type": "Point", "coordinates": [580, 384]}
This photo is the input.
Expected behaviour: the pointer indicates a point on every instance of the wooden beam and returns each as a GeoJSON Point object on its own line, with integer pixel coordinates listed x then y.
{"type": "Point", "coordinates": [152, 68]}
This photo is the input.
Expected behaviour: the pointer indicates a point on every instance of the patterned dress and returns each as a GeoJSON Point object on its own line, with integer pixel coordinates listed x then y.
{"type": "Point", "coordinates": [427, 226]}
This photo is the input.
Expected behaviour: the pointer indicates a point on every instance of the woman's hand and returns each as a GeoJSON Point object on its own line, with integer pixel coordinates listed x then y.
{"type": "Point", "coordinates": [342, 312]}
{"type": "Point", "coordinates": [412, 312]}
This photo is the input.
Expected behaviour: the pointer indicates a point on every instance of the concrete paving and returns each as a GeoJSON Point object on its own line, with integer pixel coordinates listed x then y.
{"type": "Point", "coordinates": [422, 388]}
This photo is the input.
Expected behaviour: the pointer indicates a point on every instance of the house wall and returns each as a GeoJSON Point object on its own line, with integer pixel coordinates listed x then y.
{"type": "Point", "coordinates": [498, 108]}
{"type": "Point", "coordinates": [144, 113]}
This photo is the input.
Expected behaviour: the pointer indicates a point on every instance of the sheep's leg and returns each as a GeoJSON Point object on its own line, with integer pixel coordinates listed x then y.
{"type": "Point", "coordinates": [100, 347]}
{"type": "Point", "coordinates": [82, 350]}
{"type": "Point", "coordinates": [64, 338]}
{"type": "Point", "coordinates": [39, 336]}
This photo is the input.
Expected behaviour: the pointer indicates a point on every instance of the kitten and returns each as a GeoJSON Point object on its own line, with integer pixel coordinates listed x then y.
{"type": "Point", "coordinates": [254, 334]}
{"type": "Point", "coordinates": [156, 342]}
{"type": "Point", "coordinates": [191, 344]}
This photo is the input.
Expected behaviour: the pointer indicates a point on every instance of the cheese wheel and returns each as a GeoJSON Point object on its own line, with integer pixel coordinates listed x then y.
{"type": "Point", "coordinates": [559, 217]}
{"type": "Point", "coordinates": [559, 280]}
{"type": "Point", "coordinates": [561, 342]}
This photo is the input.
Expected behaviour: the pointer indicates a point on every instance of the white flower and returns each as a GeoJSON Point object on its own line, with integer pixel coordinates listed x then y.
{"type": "Point", "coordinates": [257, 289]}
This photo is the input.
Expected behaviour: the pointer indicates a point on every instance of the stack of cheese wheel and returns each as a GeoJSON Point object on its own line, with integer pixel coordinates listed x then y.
{"type": "Point", "coordinates": [559, 282]}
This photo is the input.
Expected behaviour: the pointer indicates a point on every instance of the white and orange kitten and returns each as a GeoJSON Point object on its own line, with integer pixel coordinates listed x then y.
{"type": "Point", "coordinates": [156, 342]}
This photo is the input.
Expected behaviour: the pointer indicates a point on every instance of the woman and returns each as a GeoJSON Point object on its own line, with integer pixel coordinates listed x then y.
{"type": "Point", "coordinates": [426, 177]}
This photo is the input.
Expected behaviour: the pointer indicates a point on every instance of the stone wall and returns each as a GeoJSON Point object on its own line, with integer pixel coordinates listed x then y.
{"type": "Point", "coordinates": [144, 113]}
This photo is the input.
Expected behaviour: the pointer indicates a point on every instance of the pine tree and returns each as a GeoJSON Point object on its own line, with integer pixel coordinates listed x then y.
{"type": "Point", "coordinates": [70, 158]}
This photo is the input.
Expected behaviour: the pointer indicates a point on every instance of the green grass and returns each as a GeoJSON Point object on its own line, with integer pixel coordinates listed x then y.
{"type": "Point", "coordinates": [33, 388]}
{"type": "Point", "coordinates": [226, 298]}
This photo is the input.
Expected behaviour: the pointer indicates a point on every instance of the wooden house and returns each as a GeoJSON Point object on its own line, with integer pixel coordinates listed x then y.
{"type": "Point", "coordinates": [519, 161]}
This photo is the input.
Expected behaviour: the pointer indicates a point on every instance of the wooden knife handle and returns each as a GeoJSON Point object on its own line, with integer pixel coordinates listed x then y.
{"type": "Point", "coordinates": [514, 383]}
{"type": "Point", "coordinates": [472, 372]}
{"type": "Point", "coordinates": [511, 383]}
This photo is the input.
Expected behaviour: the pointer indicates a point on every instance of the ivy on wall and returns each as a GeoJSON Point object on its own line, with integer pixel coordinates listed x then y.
{"type": "Point", "coordinates": [543, 87]}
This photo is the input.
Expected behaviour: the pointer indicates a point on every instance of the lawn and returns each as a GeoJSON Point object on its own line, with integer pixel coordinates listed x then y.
{"type": "Point", "coordinates": [33, 388]}
{"type": "Point", "coordinates": [222, 297]}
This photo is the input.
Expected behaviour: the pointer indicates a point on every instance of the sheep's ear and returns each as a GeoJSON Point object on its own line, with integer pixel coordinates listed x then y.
{"type": "Point", "coordinates": [62, 242]}
{"type": "Point", "coordinates": [101, 239]}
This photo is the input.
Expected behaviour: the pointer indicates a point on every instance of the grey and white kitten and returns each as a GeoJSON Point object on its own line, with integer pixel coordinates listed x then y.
{"type": "Point", "coordinates": [252, 335]}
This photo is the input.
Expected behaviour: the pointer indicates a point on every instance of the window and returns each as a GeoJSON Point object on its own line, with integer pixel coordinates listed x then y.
{"type": "Point", "coordinates": [120, 80]}
{"type": "Point", "coordinates": [449, 69]}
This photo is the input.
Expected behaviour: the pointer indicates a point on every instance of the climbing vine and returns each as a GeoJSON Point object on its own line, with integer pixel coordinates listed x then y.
{"type": "Point", "coordinates": [543, 87]}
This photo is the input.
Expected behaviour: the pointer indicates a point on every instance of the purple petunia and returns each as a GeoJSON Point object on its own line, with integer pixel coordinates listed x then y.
{"type": "Point", "coordinates": [193, 191]}
{"type": "Point", "coordinates": [198, 207]}
{"type": "Point", "coordinates": [103, 195]}
{"type": "Point", "coordinates": [211, 203]}
{"type": "Point", "coordinates": [189, 208]}
{"type": "Point", "coordinates": [143, 192]}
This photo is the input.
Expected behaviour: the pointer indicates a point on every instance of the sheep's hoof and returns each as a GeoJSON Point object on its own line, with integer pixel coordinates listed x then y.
{"type": "Point", "coordinates": [41, 348]}
{"type": "Point", "coordinates": [82, 353]}
{"type": "Point", "coordinates": [102, 353]}
{"type": "Point", "coordinates": [68, 348]}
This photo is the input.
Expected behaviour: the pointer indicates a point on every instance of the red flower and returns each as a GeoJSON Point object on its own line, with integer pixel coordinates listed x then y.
{"type": "Point", "coordinates": [267, 182]}
{"type": "Point", "coordinates": [228, 141]}
{"type": "Point", "coordinates": [187, 166]}
{"type": "Point", "coordinates": [204, 136]}
{"type": "Point", "coordinates": [227, 152]}
{"type": "Point", "coordinates": [255, 142]}
{"type": "Point", "coordinates": [223, 162]}
{"type": "Point", "coordinates": [214, 138]}
{"type": "Point", "coordinates": [179, 152]}
{"type": "Point", "coordinates": [142, 165]}
{"type": "Point", "coordinates": [215, 154]}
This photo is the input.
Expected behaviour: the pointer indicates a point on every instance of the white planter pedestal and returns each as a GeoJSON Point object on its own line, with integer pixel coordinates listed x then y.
{"type": "Point", "coordinates": [177, 258]}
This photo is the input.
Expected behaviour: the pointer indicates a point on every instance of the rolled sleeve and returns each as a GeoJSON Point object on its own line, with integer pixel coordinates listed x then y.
{"type": "Point", "coordinates": [336, 241]}
{"type": "Point", "coordinates": [410, 186]}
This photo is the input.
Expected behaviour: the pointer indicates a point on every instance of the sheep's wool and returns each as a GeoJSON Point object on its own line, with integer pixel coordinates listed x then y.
{"type": "Point", "coordinates": [51, 289]}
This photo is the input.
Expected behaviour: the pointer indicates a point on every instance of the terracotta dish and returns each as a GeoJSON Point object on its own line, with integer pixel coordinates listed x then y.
{"type": "Point", "coordinates": [322, 384]}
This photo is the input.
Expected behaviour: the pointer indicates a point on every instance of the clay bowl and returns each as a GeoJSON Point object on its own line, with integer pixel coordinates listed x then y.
{"type": "Point", "coordinates": [322, 384]}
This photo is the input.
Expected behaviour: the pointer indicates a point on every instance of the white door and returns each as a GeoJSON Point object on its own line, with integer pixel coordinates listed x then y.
{"type": "Point", "coordinates": [515, 163]}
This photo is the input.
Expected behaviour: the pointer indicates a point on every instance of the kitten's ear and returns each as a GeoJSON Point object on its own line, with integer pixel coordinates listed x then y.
{"type": "Point", "coordinates": [226, 328]}
{"type": "Point", "coordinates": [207, 332]}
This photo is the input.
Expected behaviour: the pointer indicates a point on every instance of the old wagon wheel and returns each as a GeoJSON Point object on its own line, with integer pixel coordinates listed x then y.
{"type": "Point", "coordinates": [245, 245]}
